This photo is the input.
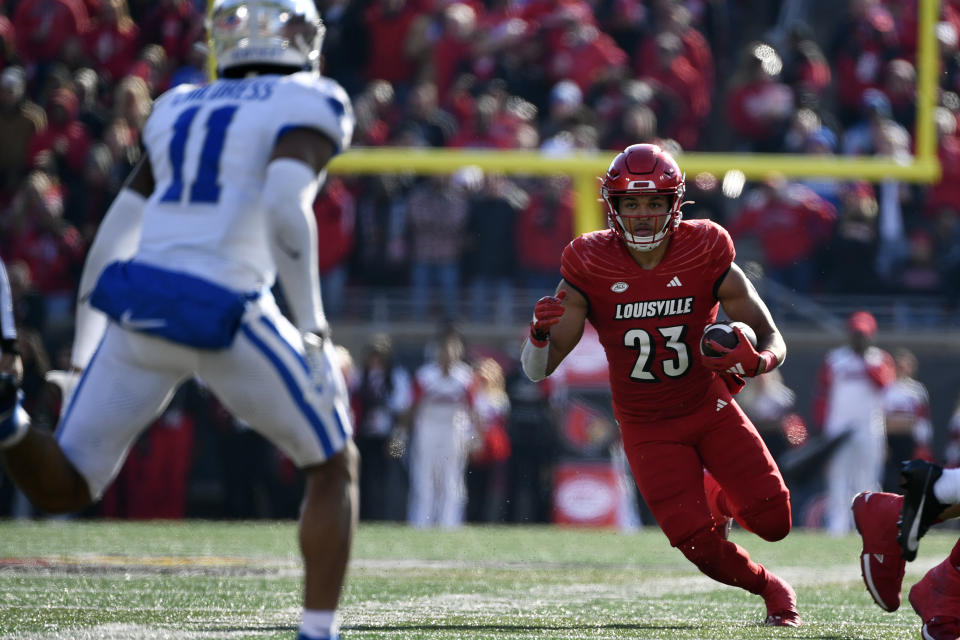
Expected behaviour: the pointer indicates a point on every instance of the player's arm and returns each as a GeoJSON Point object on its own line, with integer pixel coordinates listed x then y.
{"type": "Point", "coordinates": [742, 303]}
{"type": "Point", "coordinates": [117, 238]}
{"type": "Point", "coordinates": [293, 177]}
{"type": "Point", "coordinates": [555, 330]}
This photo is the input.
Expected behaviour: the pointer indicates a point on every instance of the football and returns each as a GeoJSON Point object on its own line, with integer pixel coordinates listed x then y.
{"type": "Point", "coordinates": [722, 333]}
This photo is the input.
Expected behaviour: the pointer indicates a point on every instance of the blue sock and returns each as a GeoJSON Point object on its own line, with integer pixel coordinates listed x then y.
{"type": "Point", "coordinates": [303, 636]}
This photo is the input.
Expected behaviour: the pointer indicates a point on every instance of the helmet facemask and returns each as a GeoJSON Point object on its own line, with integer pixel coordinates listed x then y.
{"type": "Point", "coordinates": [619, 222]}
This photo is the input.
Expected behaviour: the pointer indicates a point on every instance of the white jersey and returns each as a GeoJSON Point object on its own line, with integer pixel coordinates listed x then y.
{"type": "Point", "coordinates": [854, 401]}
{"type": "Point", "coordinates": [209, 148]}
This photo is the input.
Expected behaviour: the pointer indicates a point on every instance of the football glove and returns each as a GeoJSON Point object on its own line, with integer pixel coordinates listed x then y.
{"type": "Point", "coordinates": [743, 359]}
{"type": "Point", "coordinates": [546, 313]}
{"type": "Point", "coordinates": [324, 364]}
{"type": "Point", "coordinates": [735, 382]}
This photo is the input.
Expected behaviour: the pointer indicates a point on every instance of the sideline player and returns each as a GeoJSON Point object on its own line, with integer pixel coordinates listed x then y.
{"type": "Point", "coordinates": [650, 284]}
{"type": "Point", "coordinates": [219, 208]}
{"type": "Point", "coordinates": [891, 526]}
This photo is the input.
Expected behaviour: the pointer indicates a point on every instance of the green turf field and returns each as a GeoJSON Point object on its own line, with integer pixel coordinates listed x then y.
{"type": "Point", "coordinates": [89, 580]}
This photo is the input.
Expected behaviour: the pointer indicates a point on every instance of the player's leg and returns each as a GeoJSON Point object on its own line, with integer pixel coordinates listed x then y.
{"type": "Point", "coordinates": [422, 498]}
{"type": "Point", "coordinates": [669, 476]}
{"type": "Point", "coordinates": [936, 599]}
{"type": "Point", "coordinates": [753, 491]}
{"type": "Point", "coordinates": [264, 379]}
{"type": "Point", "coordinates": [127, 383]}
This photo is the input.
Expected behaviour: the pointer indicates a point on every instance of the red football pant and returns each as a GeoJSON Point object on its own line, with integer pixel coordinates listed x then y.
{"type": "Point", "coordinates": [668, 459]}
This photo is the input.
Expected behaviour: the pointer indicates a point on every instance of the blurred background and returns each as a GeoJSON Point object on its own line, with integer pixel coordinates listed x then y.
{"type": "Point", "coordinates": [413, 263]}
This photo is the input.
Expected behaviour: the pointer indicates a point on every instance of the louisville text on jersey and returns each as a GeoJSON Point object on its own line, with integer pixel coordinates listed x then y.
{"type": "Point", "coordinates": [654, 308]}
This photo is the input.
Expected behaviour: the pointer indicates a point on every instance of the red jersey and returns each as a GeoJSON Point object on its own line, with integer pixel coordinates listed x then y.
{"type": "Point", "coordinates": [650, 320]}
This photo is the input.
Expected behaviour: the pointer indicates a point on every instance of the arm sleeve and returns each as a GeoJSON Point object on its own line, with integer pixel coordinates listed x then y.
{"type": "Point", "coordinates": [117, 238]}
{"type": "Point", "coordinates": [288, 194]}
{"type": "Point", "coordinates": [8, 327]}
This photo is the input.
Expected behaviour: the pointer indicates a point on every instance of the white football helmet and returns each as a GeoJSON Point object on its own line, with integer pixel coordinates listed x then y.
{"type": "Point", "coordinates": [281, 33]}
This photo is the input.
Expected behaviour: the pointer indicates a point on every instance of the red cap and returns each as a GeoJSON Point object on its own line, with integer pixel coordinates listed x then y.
{"type": "Point", "coordinates": [862, 322]}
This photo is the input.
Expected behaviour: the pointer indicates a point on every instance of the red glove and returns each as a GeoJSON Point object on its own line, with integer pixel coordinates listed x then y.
{"type": "Point", "coordinates": [735, 382]}
{"type": "Point", "coordinates": [546, 313]}
{"type": "Point", "coordinates": [743, 359]}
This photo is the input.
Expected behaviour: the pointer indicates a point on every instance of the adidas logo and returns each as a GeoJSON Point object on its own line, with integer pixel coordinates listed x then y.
{"type": "Point", "coordinates": [737, 368]}
{"type": "Point", "coordinates": [675, 282]}
{"type": "Point", "coordinates": [721, 403]}
{"type": "Point", "coordinates": [879, 557]}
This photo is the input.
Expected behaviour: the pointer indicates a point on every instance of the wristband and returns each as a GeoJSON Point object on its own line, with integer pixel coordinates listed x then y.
{"type": "Point", "coordinates": [539, 338]}
{"type": "Point", "coordinates": [769, 361]}
{"type": "Point", "coordinates": [533, 359]}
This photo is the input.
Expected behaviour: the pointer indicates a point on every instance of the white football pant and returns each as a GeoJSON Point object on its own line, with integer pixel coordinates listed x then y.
{"type": "Point", "coordinates": [262, 379]}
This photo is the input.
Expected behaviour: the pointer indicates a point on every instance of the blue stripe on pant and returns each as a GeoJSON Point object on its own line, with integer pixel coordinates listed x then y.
{"type": "Point", "coordinates": [294, 390]}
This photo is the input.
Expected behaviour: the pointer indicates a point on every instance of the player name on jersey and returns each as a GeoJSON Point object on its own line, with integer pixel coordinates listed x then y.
{"type": "Point", "coordinates": [654, 308]}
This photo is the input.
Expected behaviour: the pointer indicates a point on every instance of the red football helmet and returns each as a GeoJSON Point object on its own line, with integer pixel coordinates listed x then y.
{"type": "Point", "coordinates": [640, 170]}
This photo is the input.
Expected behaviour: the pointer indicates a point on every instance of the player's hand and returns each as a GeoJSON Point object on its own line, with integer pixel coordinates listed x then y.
{"type": "Point", "coordinates": [743, 359]}
{"type": "Point", "coordinates": [324, 363]}
{"type": "Point", "coordinates": [546, 313]}
{"type": "Point", "coordinates": [735, 382]}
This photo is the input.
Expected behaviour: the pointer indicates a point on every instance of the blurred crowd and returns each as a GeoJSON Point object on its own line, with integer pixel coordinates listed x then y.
{"type": "Point", "coordinates": [78, 77]}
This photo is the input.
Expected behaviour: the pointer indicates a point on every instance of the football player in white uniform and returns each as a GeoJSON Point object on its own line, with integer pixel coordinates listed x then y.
{"type": "Point", "coordinates": [220, 207]}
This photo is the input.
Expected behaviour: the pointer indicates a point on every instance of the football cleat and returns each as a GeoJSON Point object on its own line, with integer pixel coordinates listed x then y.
{"type": "Point", "coordinates": [920, 506]}
{"type": "Point", "coordinates": [781, 601]}
{"type": "Point", "coordinates": [303, 636]}
{"type": "Point", "coordinates": [941, 628]}
{"type": "Point", "coordinates": [881, 562]}
{"type": "Point", "coordinates": [936, 599]}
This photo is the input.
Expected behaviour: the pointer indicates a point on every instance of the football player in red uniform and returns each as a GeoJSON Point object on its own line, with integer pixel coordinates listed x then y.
{"type": "Point", "coordinates": [649, 285]}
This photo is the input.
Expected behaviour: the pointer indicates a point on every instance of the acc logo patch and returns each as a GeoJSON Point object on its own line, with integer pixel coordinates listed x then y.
{"type": "Point", "coordinates": [619, 287]}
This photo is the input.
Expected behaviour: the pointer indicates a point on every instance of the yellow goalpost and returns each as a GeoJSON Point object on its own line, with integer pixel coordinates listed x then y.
{"type": "Point", "coordinates": [585, 168]}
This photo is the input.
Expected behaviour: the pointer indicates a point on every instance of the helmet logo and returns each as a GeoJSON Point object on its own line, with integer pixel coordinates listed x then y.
{"type": "Point", "coordinates": [641, 184]}
{"type": "Point", "coordinates": [619, 287]}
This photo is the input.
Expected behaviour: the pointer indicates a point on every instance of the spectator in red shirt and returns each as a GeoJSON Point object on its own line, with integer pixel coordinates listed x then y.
{"type": "Point", "coordinates": [759, 105]}
{"type": "Point", "coordinates": [585, 55]}
{"type": "Point", "coordinates": [453, 50]}
{"type": "Point", "coordinates": [45, 27]}
{"type": "Point", "coordinates": [791, 223]}
{"type": "Point", "coordinates": [680, 89]}
{"type": "Point", "coordinates": [868, 41]}
{"type": "Point", "coordinates": [546, 227]}
{"type": "Point", "coordinates": [51, 247]}
{"type": "Point", "coordinates": [389, 24]}
{"type": "Point", "coordinates": [176, 25]}
{"type": "Point", "coordinates": [112, 43]}
{"type": "Point", "coordinates": [946, 192]}
{"type": "Point", "coordinates": [336, 213]}
{"type": "Point", "coordinates": [695, 48]}
{"type": "Point", "coordinates": [8, 42]}
{"type": "Point", "coordinates": [65, 136]}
